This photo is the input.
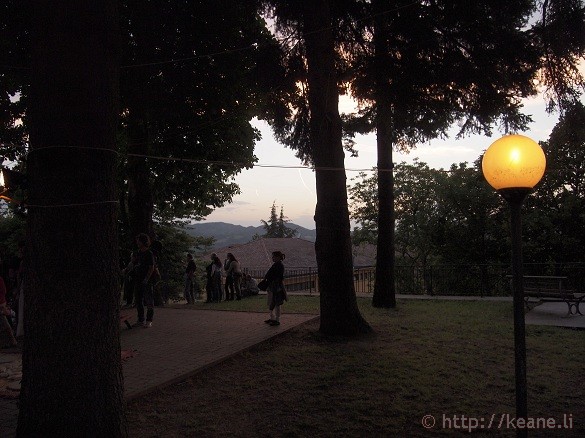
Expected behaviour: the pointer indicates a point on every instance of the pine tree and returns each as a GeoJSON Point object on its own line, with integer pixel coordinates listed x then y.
{"type": "Point", "coordinates": [283, 230]}
{"type": "Point", "coordinates": [276, 226]}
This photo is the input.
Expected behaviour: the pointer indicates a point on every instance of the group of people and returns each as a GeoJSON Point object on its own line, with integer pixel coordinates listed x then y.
{"type": "Point", "coordinates": [236, 283]}
{"type": "Point", "coordinates": [144, 272]}
{"type": "Point", "coordinates": [233, 279]}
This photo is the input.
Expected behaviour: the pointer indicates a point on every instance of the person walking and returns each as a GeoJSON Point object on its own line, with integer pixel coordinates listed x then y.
{"type": "Point", "coordinates": [189, 278]}
{"type": "Point", "coordinates": [143, 280]}
{"type": "Point", "coordinates": [276, 293]}
{"type": "Point", "coordinates": [235, 272]}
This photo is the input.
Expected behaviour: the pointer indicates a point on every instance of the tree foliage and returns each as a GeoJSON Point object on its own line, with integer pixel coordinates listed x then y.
{"type": "Point", "coordinates": [176, 243]}
{"type": "Point", "coordinates": [454, 217]}
{"type": "Point", "coordinates": [196, 74]}
{"type": "Point", "coordinates": [418, 68]}
{"type": "Point", "coordinates": [555, 217]}
{"type": "Point", "coordinates": [275, 226]}
{"type": "Point", "coordinates": [193, 75]}
{"type": "Point", "coordinates": [14, 77]}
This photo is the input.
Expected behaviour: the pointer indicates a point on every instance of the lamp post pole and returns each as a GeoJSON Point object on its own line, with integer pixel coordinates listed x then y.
{"type": "Point", "coordinates": [515, 198]}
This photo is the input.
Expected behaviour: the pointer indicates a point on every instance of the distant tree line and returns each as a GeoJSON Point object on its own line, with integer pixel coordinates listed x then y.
{"type": "Point", "coordinates": [455, 217]}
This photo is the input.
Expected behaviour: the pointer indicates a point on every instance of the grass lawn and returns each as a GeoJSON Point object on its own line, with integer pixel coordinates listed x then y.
{"type": "Point", "coordinates": [439, 358]}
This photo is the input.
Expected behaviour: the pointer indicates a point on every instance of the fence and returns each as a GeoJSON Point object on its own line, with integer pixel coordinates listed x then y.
{"type": "Point", "coordinates": [458, 280]}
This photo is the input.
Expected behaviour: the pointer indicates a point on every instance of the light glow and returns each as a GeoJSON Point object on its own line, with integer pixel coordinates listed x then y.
{"type": "Point", "coordinates": [513, 161]}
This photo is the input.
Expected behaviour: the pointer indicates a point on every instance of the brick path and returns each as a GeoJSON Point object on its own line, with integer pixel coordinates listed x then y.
{"type": "Point", "coordinates": [181, 343]}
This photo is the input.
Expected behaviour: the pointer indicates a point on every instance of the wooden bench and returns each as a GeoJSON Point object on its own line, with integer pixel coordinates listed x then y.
{"type": "Point", "coordinates": [552, 289]}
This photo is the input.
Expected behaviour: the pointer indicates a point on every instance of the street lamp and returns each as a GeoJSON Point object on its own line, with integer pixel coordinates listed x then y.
{"type": "Point", "coordinates": [10, 180]}
{"type": "Point", "coordinates": [513, 165]}
{"type": "Point", "coordinates": [3, 188]}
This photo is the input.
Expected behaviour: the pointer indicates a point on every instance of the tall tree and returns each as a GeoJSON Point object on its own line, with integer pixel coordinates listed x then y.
{"type": "Point", "coordinates": [384, 286]}
{"type": "Point", "coordinates": [339, 311]}
{"type": "Point", "coordinates": [431, 64]}
{"type": "Point", "coordinates": [72, 378]}
{"type": "Point", "coordinates": [317, 137]}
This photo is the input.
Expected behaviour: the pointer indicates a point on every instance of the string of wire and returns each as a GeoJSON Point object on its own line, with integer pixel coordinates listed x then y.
{"type": "Point", "coordinates": [252, 165]}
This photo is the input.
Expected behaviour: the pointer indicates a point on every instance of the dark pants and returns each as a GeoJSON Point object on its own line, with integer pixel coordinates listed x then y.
{"type": "Point", "coordinates": [237, 286]}
{"type": "Point", "coordinates": [209, 289]}
{"type": "Point", "coordinates": [229, 287]}
{"type": "Point", "coordinates": [144, 297]}
{"type": "Point", "coordinates": [216, 287]}
{"type": "Point", "coordinates": [128, 291]}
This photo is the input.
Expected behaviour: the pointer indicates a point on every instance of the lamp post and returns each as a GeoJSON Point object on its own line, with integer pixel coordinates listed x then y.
{"type": "Point", "coordinates": [3, 188]}
{"type": "Point", "coordinates": [11, 180]}
{"type": "Point", "coordinates": [513, 165]}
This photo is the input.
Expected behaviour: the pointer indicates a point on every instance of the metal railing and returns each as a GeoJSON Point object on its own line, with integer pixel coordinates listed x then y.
{"type": "Point", "coordinates": [455, 280]}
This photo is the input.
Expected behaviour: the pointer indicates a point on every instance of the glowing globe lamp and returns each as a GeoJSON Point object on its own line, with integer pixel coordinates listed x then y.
{"type": "Point", "coordinates": [513, 162]}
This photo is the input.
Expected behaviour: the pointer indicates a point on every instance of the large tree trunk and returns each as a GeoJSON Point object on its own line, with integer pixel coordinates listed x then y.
{"type": "Point", "coordinates": [72, 374]}
{"type": "Point", "coordinates": [384, 287]}
{"type": "Point", "coordinates": [339, 312]}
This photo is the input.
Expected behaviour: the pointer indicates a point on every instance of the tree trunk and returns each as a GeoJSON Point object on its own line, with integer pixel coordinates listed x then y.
{"type": "Point", "coordinates": [384, 287]}
{"type": "Point", "coordinates": [72, 374]}
{"type": "Point", "coordinates": [339, 312]}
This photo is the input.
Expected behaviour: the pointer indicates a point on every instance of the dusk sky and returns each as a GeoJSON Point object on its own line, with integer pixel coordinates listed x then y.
{"type": "Point", "coordinates": [294, 189]}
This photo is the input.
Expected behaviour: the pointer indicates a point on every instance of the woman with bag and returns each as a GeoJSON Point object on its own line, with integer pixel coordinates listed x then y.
{"type": "Point", "coordinates": [276, 293]}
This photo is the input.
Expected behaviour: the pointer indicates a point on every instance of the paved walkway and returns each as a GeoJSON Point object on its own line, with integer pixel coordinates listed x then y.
{"type": "Point", "coordinates": [555, 314]}
{"type": "Point", "coordinates": [181, 343]}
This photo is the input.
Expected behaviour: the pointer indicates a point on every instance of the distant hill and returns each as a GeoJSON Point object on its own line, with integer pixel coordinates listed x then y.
{"type": "Point", "coordinates": [229, 234]}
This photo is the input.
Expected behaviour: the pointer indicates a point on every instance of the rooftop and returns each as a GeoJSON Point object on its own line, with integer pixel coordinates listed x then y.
{"type": "Point", "coordinates": [299, 253]}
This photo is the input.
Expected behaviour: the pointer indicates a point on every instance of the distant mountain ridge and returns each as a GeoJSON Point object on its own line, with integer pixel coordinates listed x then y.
{"type": "Point", "coordinates": [229, 234]}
